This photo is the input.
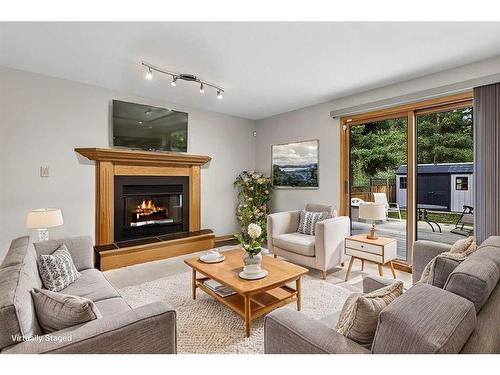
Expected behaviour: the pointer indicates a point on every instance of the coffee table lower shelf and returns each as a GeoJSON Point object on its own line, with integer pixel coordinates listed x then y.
{"type": "Point", "coordinates": [250, 307]}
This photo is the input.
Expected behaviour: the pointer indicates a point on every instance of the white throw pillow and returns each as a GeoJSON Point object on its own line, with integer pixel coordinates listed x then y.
{"type": "Point", "coordinates": [57, 270]}
{"type": "Point", "coordinates": [464, 246]}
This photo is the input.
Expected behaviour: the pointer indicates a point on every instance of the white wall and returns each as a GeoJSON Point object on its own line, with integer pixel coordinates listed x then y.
{"type": "Point", "coordinates": [459, 198]}
{"type": "Point", "coordinates": [43, 119]}
{"type": "Point", "coordinates": [314, 122]}
{"type": "Point", "coordinates": [304, 124]}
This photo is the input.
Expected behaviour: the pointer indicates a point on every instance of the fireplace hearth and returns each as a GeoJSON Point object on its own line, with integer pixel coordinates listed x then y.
{"type": "Point", "coordinates": [147, 206]}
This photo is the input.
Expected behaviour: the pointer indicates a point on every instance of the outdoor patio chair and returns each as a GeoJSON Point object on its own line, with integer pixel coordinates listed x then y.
{"type": "Point", "coordinates": [467, 218]}
{"type": "Point", "coordinates": [356, 201]}
{"type": "Point", "coordinates": [381, 198]}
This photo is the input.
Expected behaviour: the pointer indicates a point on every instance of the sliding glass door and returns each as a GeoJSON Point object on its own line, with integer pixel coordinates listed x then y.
{"type": "Point", "coordinates": [377, 153]}
{"type": "Point", "coordinates": [445, 171]}
{"type": "Point", "coordinates": [416, 159]}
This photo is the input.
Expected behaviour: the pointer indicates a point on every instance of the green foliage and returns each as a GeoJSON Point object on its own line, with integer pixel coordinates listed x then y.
{"type": "Point", "coordinates": [254, 194]}
{"type": "Point", "coordinates": [445, 137]}
{"type": "Point", "coordinates": [437, 217]}
{"type": "Point", "coordinates": [379, 148]}
{"type": "Point", "coordinates": [250, 245]}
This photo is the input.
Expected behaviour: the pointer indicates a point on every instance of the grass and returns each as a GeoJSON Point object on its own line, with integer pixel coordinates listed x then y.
{"type": "Point", "coordinates": [439, 217]}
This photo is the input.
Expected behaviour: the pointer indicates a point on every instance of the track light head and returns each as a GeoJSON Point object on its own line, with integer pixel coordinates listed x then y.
{"type": "Point", "coordinates": [219, 94]}
{"type": "Point", "coordinates": [202, 88]}
{"type": "Point", "coordinates": [174, 81]}
{"type": "Point", "coordinates": [149, 74]}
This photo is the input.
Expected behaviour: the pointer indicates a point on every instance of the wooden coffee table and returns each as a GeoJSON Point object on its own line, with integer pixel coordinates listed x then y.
{"type": "Point", "coordinates": [253, 298]}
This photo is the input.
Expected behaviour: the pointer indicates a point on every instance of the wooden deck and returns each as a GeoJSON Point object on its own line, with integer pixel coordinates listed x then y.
{"type": "Point", "coordinates": [397, 229]}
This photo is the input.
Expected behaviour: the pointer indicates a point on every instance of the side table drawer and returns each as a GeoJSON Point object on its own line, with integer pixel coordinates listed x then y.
{"type": "Point", "coordinates": [361, 246]}
{"type": "Point", "coordinates": [364, 255]}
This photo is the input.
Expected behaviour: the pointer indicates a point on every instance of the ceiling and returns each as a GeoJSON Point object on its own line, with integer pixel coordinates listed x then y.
{"type": "Point", "coordinates": [265, 68]}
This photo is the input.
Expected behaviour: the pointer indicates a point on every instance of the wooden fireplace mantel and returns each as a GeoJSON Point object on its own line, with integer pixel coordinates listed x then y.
{"type": "Point", "coordinates": [111, 162]}
{"type": "Point", "coordinates": [136, 157]}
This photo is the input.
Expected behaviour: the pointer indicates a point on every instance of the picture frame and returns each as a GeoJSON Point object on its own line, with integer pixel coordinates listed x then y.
{"type": "Point", "coordinates": [295, 165]}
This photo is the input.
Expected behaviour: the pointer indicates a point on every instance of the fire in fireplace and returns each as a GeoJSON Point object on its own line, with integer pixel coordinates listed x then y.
{"type": "Point", "coordinates": [150, 206]}
{"type": "Point", "coordinates": [148, 213]}
{"type": "Point", "coordinates": [157, 209]}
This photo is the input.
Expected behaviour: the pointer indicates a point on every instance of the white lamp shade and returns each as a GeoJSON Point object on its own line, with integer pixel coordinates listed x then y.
{"type": "Point", "coordinates": [44, 218]}
{"type": "Point", "coordinates": [372, 211]}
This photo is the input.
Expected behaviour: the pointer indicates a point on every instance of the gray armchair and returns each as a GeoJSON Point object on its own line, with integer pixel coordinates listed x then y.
{"type": "Point", "coordinates": [323, 251]}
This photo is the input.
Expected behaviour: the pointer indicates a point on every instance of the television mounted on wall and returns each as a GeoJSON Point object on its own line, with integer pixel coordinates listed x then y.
{"type": "Point", "coordinates": [144, 127]}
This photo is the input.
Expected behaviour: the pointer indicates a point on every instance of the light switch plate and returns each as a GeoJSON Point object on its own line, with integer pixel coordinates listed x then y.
{"type": "Point", "coordinates": [44, 171]}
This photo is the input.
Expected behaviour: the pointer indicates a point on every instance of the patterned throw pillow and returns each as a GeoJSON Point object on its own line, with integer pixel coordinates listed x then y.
{"type": "Point", "coordinates": [359, 317]}
{"type": "Point", "coordinates": [308, 221]}
{"type": "Point", "coordinates": [57, 269]}
{"type": "Point", "coordinates": [56, 311]}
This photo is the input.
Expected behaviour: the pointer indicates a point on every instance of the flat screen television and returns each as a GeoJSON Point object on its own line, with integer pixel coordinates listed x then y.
{"type": "Point", "coordinates": [143, 127]}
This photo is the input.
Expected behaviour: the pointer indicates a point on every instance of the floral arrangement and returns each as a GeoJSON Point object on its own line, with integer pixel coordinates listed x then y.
{"type": "Point", "coordinates": [254, 194]}
{"type": "Point", "coordinates": [251, 244]}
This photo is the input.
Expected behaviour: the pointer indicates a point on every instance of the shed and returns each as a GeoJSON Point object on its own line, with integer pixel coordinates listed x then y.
{"type": "Point", "coordinates": [444, 184]}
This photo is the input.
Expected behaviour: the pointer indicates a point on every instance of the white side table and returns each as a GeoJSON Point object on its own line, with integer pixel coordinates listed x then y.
{"type": "Point", "coordinates": [381, 251]}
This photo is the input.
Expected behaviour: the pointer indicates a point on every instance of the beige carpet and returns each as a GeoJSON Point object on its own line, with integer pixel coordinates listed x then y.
{"type": "Point", "coordinates": [207, 326]}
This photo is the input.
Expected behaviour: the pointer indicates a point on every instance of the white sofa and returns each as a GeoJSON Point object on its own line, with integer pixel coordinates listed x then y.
{"type": "Point", "coordinates": [323, 251]}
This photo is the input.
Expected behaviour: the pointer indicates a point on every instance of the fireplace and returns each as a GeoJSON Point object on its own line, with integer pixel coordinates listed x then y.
{"type": "Point", "coordinates": [150, 206]}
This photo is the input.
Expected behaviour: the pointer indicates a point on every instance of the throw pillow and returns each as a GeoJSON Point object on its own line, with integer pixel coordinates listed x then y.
{"type": "Point", "coordinates": [465, 246]}
{"type": "Point", "coordinates": [57, 270]}
{"type": "Point", "coordinates": [460, 250]}
{"type": "Point", "coordinates": [359, 316]}
{"type": "Point", "coordinates": [308, 220]}
{"type": "Point", "coordinates": [56, 311]}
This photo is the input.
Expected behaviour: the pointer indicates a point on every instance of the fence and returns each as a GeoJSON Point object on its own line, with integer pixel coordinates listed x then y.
{"type": "Point", "coordinates": [377, 185]}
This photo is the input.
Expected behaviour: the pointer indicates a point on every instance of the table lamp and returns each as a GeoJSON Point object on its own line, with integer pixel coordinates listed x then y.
{"type": "Point", "coordinates": [43, 218]}
{"type": "Point", "coordinates": [373, 213]}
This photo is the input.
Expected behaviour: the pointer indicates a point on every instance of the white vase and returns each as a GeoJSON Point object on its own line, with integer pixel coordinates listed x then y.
{"type": "Point", "coordinates": [252, 267]}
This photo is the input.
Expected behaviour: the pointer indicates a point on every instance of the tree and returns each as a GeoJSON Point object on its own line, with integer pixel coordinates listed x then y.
{"type": "Point", "coordinates": [379, 148]}
{"type": "Point", "coordinates": [445, 137]}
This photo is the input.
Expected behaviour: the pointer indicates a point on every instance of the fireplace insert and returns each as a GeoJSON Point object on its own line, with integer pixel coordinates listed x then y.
{"type": "Point", "coordinates": [149, 206]}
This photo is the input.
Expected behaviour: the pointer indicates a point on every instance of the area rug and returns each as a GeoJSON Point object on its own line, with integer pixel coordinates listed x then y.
{"type": "Point", "coordinates": [206, 326]}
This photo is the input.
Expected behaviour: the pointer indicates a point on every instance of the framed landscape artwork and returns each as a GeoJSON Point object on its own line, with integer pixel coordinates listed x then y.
{"type": "Point", "coordinates": [295, 165]}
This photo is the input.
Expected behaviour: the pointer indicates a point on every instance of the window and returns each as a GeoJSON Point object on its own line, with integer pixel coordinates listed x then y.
{"type": "Point", "coordinates": [462, 183]}
{"type": "Point", "coordinates": [403, 182]}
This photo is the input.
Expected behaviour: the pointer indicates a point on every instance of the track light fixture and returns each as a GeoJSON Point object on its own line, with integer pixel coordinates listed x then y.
{"type": "Point", "coordinates": [184, 77]}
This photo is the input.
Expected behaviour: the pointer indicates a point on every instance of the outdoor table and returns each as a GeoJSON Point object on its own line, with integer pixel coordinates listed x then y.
{"type": "Point", "coordinates": [423, 212]}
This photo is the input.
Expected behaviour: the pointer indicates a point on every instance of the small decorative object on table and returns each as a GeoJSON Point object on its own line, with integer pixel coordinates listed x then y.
{"type": "Point", "coordinates": [253, 257]}
{"type": "Point", "coordinates": [212, 256]}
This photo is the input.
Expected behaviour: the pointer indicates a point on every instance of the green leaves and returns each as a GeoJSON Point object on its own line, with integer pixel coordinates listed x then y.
{"type": "Point", "coordinates": [445, 137]}
{"type": "Point", "coordinates": [379, 148]}
{"type": "Point", "coordinates": [254, 194]}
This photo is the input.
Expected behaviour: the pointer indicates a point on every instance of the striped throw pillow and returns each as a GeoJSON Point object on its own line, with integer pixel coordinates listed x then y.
{"type": "Point", "coordinates": [308, 221]}
{"type": "Point", "coordinates": [57, 270]}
